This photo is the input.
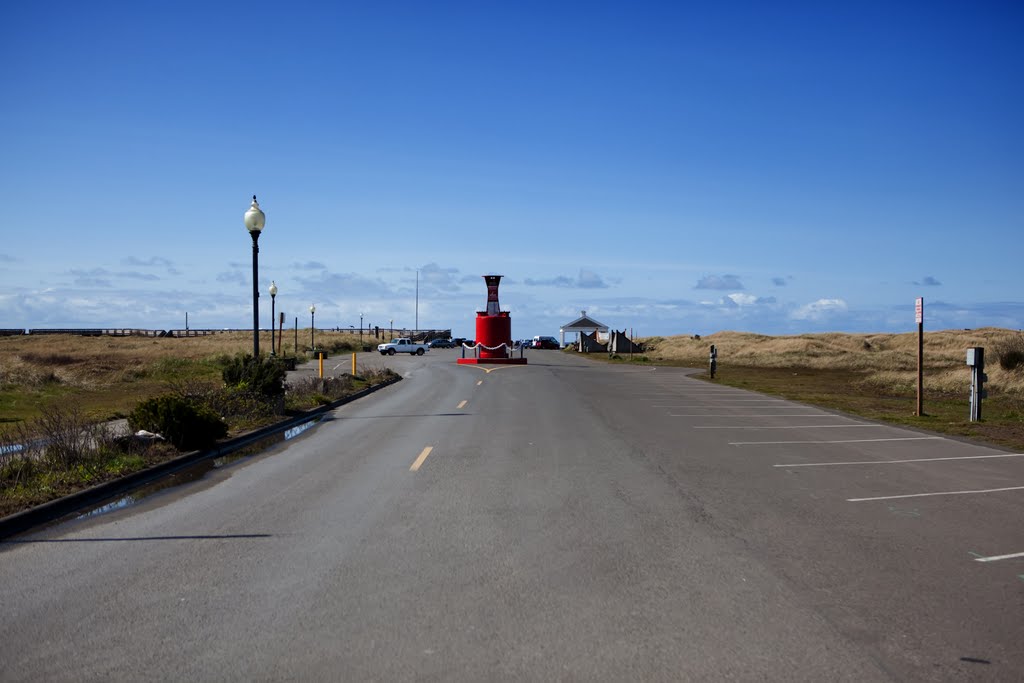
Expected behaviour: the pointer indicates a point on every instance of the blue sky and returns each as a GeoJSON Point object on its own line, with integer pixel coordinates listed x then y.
{"type": "Point", "coordinates": [677, 168]}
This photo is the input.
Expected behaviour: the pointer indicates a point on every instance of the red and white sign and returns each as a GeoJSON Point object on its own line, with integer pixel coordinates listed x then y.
{"type": "Point", "coordinates": [919, 310]}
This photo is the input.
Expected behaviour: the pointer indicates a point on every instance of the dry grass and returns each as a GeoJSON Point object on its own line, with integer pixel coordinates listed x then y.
{"type": "Point", "coordinates": [887, 361]}
{"type": "Point", "coordinates": [107, 376]}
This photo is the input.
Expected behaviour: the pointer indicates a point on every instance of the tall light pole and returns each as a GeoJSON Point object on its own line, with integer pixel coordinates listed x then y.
{"type": "Point", "coordinates": [392, 321]}
{"type": "Point", "coordinates": [417, 299]}
{"type": "Point", "coordinates": [273, 320]}
{"type": "Point", "coordinates": [312, 326]}
{"type": "Point", "coordinates": [255, 219]}
{"type": "Point", "coordinates": [360, 328]}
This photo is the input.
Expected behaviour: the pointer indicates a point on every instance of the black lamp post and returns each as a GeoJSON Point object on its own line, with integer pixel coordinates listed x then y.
{"type": "Point", "coordinates": [360, 328]}
{"type": "Point", "coordinates": [255, 219]}
{"type": "Point", "coordinates": [273, 323]}
{"type": "Point", "coordinates": [312, 326]}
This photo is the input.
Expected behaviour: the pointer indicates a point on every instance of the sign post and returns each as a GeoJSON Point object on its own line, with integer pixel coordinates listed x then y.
{"type": "Point", "coordinates": [919, 318]}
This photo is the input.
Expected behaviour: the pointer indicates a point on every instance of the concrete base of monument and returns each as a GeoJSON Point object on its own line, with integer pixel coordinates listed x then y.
{"type": "Point", "coordinates": [492, 361]}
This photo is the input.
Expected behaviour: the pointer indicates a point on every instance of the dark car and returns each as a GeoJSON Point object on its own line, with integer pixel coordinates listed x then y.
{"type": "Point", "coordinates": [442, 344]}
{"type": "Point", "coordinates": [541, 342]}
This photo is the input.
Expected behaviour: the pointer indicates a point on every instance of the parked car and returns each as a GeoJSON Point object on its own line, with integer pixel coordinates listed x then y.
{"type": "Point", "coordinates": [442, 344]}
{"type": "Point", "coordinates": [542, 342]}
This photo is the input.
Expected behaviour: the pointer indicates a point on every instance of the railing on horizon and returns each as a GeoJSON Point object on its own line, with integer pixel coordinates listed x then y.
{"type": "Point", "coordinates": [416, 335]}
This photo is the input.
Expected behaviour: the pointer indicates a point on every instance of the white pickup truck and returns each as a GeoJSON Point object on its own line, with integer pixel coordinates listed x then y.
{"type": "Point", "coordinates": [401, 345]}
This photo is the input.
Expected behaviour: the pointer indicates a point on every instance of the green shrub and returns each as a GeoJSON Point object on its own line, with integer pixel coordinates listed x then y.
{"type": "Point", "coordinates": [264, 375]}
{"type": "Point", "coordinates": [185, 424]}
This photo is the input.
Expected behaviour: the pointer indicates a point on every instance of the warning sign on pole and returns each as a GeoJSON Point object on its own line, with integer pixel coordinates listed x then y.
{"type": "Point", "coordinates": [919, 310]}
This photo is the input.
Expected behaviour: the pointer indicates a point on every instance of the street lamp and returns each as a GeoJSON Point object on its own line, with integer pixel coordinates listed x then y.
{"type": "Point", "coordinates": [255, 219]}
{"type": "Point", "coordinates": [312, 326]}
{"type": "Point", "coordinates": [360, 328]}
{"type": "Point", "coordinates": [392, 321]}
{"type": "Point", "coordinates": [273, 323]}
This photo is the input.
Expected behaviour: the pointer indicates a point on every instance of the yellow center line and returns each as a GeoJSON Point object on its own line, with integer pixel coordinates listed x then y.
{"type": "Point", "coordinates": [421, 458]}
{"type": "Point", "coordinates": [462, 404]}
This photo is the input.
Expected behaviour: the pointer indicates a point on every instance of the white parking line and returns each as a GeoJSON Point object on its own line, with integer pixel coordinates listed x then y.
{"type": "Point", "coordinates": [717, 404]}
{"type": "Point", "coordinates": [772, 443]}
{"type": "Point", "coordinates": [996, 558]}
{"type": "Point", "coordinates": [749, 415]}
{"type": "Point", "coordinates": [855, 424]}
{"type": "Point", "coordinates": [896, 462]}
{"type": "Point", "coordinates": [938, 493]}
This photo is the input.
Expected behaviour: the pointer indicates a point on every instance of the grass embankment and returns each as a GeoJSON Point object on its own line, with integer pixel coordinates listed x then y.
{"type": "Point", "coordinates": [58, 387]}
{"type": "Point", "coordinates": [872, 375]}
{"type": "Point", "coordinates": [106, 376]}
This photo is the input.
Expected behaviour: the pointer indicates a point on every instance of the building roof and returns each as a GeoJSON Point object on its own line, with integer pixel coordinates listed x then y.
{"type": "Point", "coordinates": [584, 323]}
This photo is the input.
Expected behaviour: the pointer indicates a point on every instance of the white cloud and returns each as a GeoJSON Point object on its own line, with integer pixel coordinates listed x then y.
{"type": "Point", "coordinates": [817, 310]}
{"type": "Point", "coordinates": [742, 299]}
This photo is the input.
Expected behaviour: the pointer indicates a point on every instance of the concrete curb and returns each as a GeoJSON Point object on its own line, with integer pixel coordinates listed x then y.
{"type": "Point", "coordinates": [55, 509]}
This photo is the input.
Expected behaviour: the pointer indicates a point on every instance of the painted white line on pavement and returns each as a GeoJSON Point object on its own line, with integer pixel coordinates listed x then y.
{"type": "Point", "coordinates": [772, 443]}
{"type": "Point", "coordinates": [897, 462]}
{"type": "Point", "coordinates": [718, 404]}
{"type": "Point", "coordinates": [855, 424]}
{"type": "Point", "coordinates": [996, 558]}
{"type": "Point", "coordinates": [938, 493]}
{"type": "Point", "coordinates": [748, 415]}
{"type": "Point", "coordinates": [462, 404]}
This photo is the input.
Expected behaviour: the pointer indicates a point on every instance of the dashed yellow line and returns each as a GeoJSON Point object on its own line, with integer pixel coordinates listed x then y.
{"type": "Point", "coordinates": [419, 461]}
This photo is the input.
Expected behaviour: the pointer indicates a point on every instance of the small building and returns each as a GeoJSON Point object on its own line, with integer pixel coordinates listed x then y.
{"type": "Point", "coordinates": [585, 325]}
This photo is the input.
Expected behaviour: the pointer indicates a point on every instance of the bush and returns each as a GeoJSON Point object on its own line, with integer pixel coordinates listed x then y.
{"type": "Point", "coordinates": [185, 424]}
{"type": "Point", "coordinates": [264, 375]}
{"type": "Point", "coordinates": [1010, 352]}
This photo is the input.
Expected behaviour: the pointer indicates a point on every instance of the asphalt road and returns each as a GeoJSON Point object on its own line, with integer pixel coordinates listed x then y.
{"type": "Point", "coordinates": [562, 520]}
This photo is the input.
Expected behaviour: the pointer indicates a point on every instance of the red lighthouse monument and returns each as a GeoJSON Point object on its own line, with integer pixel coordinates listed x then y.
{"type": "Point", "coordinates": [493, 331]}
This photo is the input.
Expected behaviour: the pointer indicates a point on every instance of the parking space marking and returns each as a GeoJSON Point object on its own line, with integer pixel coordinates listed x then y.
{"type": "Point", "coordinates": [716, 404]}
{"type": "Point", "coordinates": [773, 443]}
{"type": "Point", "coordinates": [996, 558]}
{"type": "Point", "coordinates": [462, 404]}
{"type": "Point", "coordinates": [419, 461]}
{"type": "Point", "coordinates": [480, 382]}
{"type": "Point", "coordinates": [855, 424]}
{"type": "Point", "coordinates": [937, 493]}
{"type": "Point", "coordinates": [749, 415]}
{"type": "Point", "coordinates": [897, 462]}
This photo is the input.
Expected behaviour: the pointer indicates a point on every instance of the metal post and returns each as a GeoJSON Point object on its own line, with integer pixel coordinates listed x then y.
{"type": "Point", "coordinates": [273, 320]}
{"type": "Point", "coordinates": [296, 336]}
{"type": "Point", "coordinates": [976, 359]}
{"type": "Point", "coordinates": [255, 294]}
{"type": "Point", "coordinates": [713, 361]}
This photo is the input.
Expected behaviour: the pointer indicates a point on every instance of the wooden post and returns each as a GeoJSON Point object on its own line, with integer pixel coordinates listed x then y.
{"type": "Point", "coordinates": [919, 316]}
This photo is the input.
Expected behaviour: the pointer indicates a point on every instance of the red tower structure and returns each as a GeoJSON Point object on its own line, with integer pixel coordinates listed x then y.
{"type": "Point", "coordinates": [493, 331]}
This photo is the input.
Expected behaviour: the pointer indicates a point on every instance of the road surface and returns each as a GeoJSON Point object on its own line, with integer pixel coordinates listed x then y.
{"type": "Point", "coordinates": [560, 520]}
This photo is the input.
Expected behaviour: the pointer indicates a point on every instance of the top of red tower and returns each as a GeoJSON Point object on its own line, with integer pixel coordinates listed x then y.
{"type": "Point", "coordinates": [492, 293]}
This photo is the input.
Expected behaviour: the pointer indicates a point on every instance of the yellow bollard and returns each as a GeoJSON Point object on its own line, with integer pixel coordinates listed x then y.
{"type": "Point", "coordinates": [321, 365]}
{"type": "Point", "coordinates": [353, 364]}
